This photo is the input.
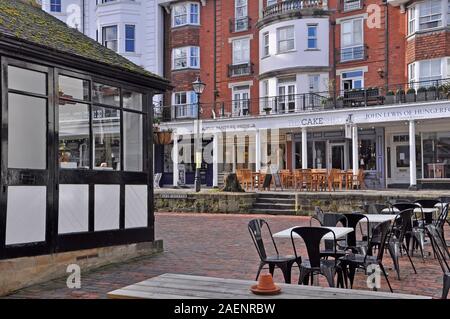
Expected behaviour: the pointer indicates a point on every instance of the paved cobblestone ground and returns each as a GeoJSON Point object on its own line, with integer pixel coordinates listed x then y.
{"type": "Point", "coordinates": [219, 245]}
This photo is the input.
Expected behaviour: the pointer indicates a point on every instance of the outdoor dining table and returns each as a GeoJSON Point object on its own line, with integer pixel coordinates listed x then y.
{"type": "Point", "coordinates": [181, 287]}
{"type": "Point", "coordinates": [378, 218]}
{"type": "Point", "coordinates": [340, 232]}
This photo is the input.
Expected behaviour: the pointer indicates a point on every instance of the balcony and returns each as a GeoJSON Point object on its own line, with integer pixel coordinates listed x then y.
{"type": "Point", "coordinates": [350, 5]}
{"type": "Point", "coordinates": [354, 53]}
{"type": "Point", "coordinates": [240, 69]}
{"type": "Point", "coordinates": [291, 6]}
{"type": "Point", "coordinates": [240, 24]}
{"type": "Point", "coordinates": [414, 92]}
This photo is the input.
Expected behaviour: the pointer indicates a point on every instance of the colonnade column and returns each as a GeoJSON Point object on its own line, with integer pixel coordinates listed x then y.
{"type": "Point", "coordinates": [215, 160]}
{"type": "Point", "coordinates": [175, 155]}
{"type": "Point", "coordinates": [304, 148]}
{"type": "Point", "coordinates": [412, 155]}
{"type": "Point", "coordinates": [257, 150]}
{"type": "Point", "coordinates": [355, 150]}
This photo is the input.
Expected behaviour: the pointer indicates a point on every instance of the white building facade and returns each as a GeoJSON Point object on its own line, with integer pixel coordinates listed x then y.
{"type": "Point", "coordinates": [132, 28]}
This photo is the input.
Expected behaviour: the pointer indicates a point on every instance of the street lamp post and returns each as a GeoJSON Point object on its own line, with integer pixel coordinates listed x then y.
{"type": "Point", "coordinates": [198, 87]}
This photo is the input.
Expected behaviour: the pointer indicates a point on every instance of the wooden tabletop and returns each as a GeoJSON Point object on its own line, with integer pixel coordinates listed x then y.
{"type": "Point", "coordinates": [173, 286]}
{"type": "Point", "coordinates": [338, 231]}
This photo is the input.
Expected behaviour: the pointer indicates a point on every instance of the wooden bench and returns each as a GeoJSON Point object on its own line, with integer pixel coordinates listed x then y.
{"type": "Point", "coordinates": [173, 286]}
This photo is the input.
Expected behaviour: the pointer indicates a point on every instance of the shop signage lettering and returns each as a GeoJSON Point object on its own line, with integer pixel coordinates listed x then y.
{"type": "Point", "coordinates": [408, 113]}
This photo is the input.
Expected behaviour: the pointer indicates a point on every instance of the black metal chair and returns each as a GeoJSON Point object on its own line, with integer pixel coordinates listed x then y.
{"type": "Point", "coordinates": [417, 230]}
{"type": "Point", "coordinates": [351, 262]}
{"type": "Point", "coordinates": [442, 254]}
{"type": "Point", "coordinates": [316, 265]}
{"type": "Point", "coordinates": [285, 263]}
{"type": "Point", "coordinates": [442, 219]}
{"type": "Point", "coordinates": [396, 241]}
{"type": "Point", "coordinates": [353, 219]}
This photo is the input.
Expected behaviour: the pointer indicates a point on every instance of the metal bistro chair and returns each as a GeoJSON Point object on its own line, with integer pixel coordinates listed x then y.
{"type": "Point", "coordinates": [376, 209]}
{"type": "Point", "coordinates": [312, 236]}
{"type": "Point", "coordinates": [416, 231]}
{"type": "Point", "coordinates": [285, 263]}
{"type": "Point", "coordinates": [442, 219]}
{"type": "Point", "coordinates": [351, 262]}
{"type": "Point", "coordinates": [353, 219]}
{"type": "Point", "coordinates": [442, 254]}
{"type": "Point", "coordinates": [396, 240]}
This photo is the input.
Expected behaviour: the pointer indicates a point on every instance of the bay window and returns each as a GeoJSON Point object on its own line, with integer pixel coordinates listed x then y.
{"type": "Point", "coordinates": [186, 57]}
{"type": "Point", "coordinates": [185, 13]}
{"type": "Point", "coordinates": [429, 14]}
{"type": "Point", "coordinates": [185, 105]}
{"type": "Point", "coordinates": [109, 37]}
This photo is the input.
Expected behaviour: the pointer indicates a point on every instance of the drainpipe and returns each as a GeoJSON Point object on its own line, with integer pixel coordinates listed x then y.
{"type": "Point", "coordinates": [83, 16]}
{"type": "Point", "coordinates": [386, 47]}
{"type": "Point", "coordinates": [333, 62]}
{"type": "Point", "coordinates": [215, 56]}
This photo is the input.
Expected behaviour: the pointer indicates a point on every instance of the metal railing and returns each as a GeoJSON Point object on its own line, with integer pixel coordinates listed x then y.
{"type": "Point", "coordinates": [240, 24]}
{"type": "Point", "coordinates": [354, 53]}
{"type": "Point", "coordinates": [350, 5]}
{"type": "Point", "coordinates": [291, 6]}
{"type": "Point", "coordinates": [406, 93]}
{"type": "Point", "coordinates": [240, 69]}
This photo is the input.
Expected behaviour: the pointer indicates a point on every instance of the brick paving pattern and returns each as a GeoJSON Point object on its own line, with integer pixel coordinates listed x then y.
{"type": "Point", "coordinates": [220, 246]}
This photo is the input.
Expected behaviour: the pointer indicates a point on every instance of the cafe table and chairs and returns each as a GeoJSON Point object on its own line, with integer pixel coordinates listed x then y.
{"type": "Point", "coordinates": [287, 178]}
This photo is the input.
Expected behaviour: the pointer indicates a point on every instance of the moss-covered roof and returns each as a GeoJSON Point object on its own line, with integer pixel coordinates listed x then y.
{"type": "Point", "coordinates": [28, 23]}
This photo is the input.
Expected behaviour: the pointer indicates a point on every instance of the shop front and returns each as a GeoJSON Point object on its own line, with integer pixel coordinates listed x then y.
{"type": "Point", "coordinates": [384, 141]}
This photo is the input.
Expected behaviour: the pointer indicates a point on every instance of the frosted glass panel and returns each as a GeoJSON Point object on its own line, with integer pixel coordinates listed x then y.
{"type": "Point", "coordinates": [132, 139]}
{"type": "Point", "coordinates": [26, 214]}
{"type": "Point", "coordinates": [136, 206]}
{"type": "Point", "coordinates": [107, 207]}
{"type": "Point", "coordinates": [27, 80]}
{"type": "Point", "coordinates": [27, 130]}
{"type": "Point", "coordinates": [73, 209]}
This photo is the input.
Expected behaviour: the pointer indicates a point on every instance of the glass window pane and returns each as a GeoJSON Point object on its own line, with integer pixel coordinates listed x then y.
{"type": "Point", "coordinates": [132, 100]}
{"type": "Point", "coordinates": [74, 146]}
{"type": "Point", "coordinates": [106, 128]}
{"type": "Point", "coordinates": [436, 155]}
{"type": "Point", "coordinates": [72, 88]}
{"type": "Point", "coordinates": [27, 132]}
{"type": "Point", "coordinates": [106, 94]}
{"type": "Point", "coordinates": [132, 139]}
{"type": "Point", "coordinates": [27, 80]}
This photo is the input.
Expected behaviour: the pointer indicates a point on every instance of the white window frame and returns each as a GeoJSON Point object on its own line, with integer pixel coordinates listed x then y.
{"type": "Point", "coordinates": [116, 41]}
{"type": "Point", "coordinates": [188, 56]}
{"type": "Point", "coordinates": [292, 39]}
{"type": "Point", "coordinates": [188, 13]}
{"type": "Point", "coordinates": [245, 59]}
{"type": "Point", "coordinates": [355, 45]}
{"type": "Point", "coordinates": [182, 110]}
{"type": "Point", "coordinates": [429, 77]}
{"type": "Point", "coordinates": [353, 78]}
{"type": "Point", "coordinates": [240, 23]}
{"type": "Point", "coordinates": [316, 37]}
{"type": "Point", "coordinates": [266, 44]}
{"type": "Point", "coordinates": [433, 17]}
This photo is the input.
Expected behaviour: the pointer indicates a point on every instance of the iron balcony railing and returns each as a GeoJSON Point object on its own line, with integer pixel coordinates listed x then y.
{"type": "Point", "coordinates": [240, 69]}
{"type": "Point", "coordinates": [291, 6]}
{"type": "Point", "coordinates": [353, 53]}
{"type": "Point", "coordinates": [430, 90]}
{"type": "Point", "coordinates": [350, 5]}
{"type": "Point", "coordinates": [240, 24]}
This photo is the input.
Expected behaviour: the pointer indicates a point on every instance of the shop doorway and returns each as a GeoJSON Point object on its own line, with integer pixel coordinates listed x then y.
{"type": "Point", "coordinates": [337, 158]}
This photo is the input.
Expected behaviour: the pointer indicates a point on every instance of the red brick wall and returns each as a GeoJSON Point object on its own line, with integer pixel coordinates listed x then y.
{"type": "Point", "coordinates": [428, 46]}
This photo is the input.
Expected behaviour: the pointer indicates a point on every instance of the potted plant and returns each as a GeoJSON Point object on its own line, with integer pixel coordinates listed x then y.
{"type": "Point", "coordinates": [390, 97]}
{"type": "Point", "coordinates": [421, 94]}
{"type": "Point", "coordinates": [442, 92]}
{"type": "Point", "coordinates": [267, 109]}
{"type": "Point", "coordinates": [328, 103]}
{"type": "Point", "coordinates": [339, 102]}
{"type": "Point", "coordinates": [410, 95]}
{"type": "Point", "coordinates": [431, 93]}
{"type": "Point", "coordinates": [162, 137]}
{"type": "Point", "coordinates": [400, 95]}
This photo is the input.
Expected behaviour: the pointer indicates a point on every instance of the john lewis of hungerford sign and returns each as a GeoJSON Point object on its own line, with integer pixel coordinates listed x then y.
{"type": "Point", "coordinates": [377, 114]}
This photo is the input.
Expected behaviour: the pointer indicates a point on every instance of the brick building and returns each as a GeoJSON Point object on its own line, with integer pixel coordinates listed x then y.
{"type": "Point", "coordinates": [309, 84]}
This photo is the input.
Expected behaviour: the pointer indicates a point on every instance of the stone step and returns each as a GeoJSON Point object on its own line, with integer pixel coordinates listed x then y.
{"type": "Point", "coordinates": [273, 206]}
{"type": "Point", "coordinates": [273, 211]}
{"type": "Point", "coordinates": [276, 200]}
